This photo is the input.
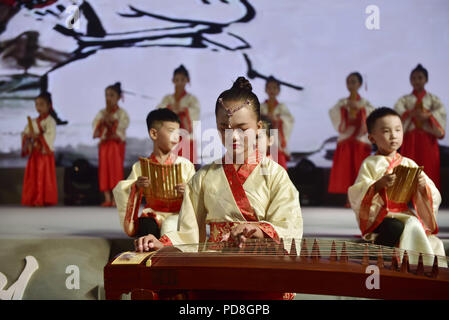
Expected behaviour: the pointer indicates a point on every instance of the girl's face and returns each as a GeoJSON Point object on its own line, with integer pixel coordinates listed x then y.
{"type": "Point", "coordinates": [238, 132]}
{"type": "Point", "coordinates": [418, 80]}
{"type": "Point", "coordinates": [42, 106]}
{"type": "Point", "coordinates": [353, 83]}
{"type": "Point", "coordinates": [112, 98]}
{"type": "Point", "coordinates": [180, 81]}
{"type": "Point", "coordinates": [272, 89]}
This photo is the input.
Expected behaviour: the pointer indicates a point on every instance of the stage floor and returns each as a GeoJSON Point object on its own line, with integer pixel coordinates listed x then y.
{"type": "Point", "coordinates": [60, 237]}
{"type": "Point", "coordinates": [67, 222]}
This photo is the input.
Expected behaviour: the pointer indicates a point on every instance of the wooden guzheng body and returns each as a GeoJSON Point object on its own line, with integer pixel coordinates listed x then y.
{"type": "Point", "coordinates": [308, 266]}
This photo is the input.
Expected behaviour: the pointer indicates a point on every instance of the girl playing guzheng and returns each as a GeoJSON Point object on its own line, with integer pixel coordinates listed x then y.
{"type": "Point", "coordinates": [424, 119]}
{"type": "Point", "coordinates": [348, 118]}
{"type": "Point", "coordinates": [110, 126]}
{"type": "Point", "coordinates": [186, 106]}
{"type": "Point", "coordinates": [39, 183]}
{"type": "Point", "coordinates": [239, 200]}
{"type": "Point", "coordinates": [160, 214]}
{"type": "Point", "coordinates": [280, 118]}
{"type": "Point", "coordinates": [382, 216]}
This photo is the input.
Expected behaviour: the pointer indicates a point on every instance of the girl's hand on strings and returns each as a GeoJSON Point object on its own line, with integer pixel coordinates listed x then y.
{"type": "Point", "coordinates": [242, 232]}
{"type": "Point", "coordinates": [147, 243]}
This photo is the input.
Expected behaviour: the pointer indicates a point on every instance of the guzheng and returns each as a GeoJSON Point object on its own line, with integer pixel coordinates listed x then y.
{"type": "Point", "coordinates": [310, 266]}
{"type": "Point", "coordinates": [163, 178]}
{"type": "Point", "coordinates": [405, 184]}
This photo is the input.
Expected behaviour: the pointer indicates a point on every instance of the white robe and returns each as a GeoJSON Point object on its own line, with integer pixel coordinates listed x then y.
{"type": "Point", "coordinates": [123, 122]}
{"type": "Point", "coordinates": [209, 199]}
{"type": "Point", "coordinates": [167, 220]}
{"type": "Point", "coordinates": [48, 126]}
{"type": "Point", "coordinates": [431, 103]}
{"type": "Point", "coordinates": [420, 226]}
{"type": "Point", "coordinates": [188, 101]}
{"type": "Point", "coordinates": [281, 112]}
{"type": "Point", "coordinates": [336, 119]}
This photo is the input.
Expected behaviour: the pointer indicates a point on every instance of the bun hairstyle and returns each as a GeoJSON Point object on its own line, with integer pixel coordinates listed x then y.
{"type": "Point", "coordinates": [46, 96]}
{"type": "Point", "coordinates": [181, 70]}
{"type": "Point", "coordinates": [420, 68]}
{"type": "Point", "coordinates": [117, 87]}
{"type": "Point", "coordinates": [357, 75]}
{"type": "Point", "coordinates": [241, 91]}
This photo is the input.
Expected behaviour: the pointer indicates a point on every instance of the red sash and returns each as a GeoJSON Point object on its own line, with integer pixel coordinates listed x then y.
{"type": "Point", "coordinates": [236, 179]}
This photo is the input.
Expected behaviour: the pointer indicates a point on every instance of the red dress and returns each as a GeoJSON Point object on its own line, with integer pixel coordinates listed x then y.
{"type": "Point", "coordinates": [111, 154]}
{"type": "Point", "coordinates": [350, 152]}
{"type": "Point", "coordinates": [422, 146]}
{"type": "Point", "coordinates": [39, 182]}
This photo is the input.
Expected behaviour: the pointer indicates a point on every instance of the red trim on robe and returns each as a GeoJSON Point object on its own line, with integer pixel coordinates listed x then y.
{"type": "Point", "coordinates": [132, 211]}
{"type": "Point", "coordinates": [368, 198]}
{"type": "Point", "coordinates": [236, 181]}
{"type": "Point", "coordinates": [166, 240]}
{"type": "Point", "coordinates": [429, 229]}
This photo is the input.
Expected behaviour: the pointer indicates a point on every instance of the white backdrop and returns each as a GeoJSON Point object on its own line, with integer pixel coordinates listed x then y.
{"type": "Point", "coordinates": [313, 44]}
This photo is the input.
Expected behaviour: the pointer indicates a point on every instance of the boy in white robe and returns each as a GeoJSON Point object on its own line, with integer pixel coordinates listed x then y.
{"type": "Point", "coordinates": [159, 216]}
{"type": "Point", "coordinates": [386, 222]}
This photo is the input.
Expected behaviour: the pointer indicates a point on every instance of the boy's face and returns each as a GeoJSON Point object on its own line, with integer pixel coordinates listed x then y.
{"type": "Point", "coordinates": [272, 89]}
{"type": "Point", "coordinates": [42, 106]}
{"type": "Point", "coordinates": [166, 137]}
{"type": "Point", "coordinates": [180, 81]}
{"type": "Point", "coordinates": [353, 83]}
{"type": "Point", "coordinates": [418, 80]}
{"type": "Point", "coordinates": [387, 134]}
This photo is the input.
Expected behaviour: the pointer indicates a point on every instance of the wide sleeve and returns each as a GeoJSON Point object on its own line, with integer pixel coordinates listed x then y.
{"type": "Point", "coordinates": [287, 122]}
{"type": "Point", "coordinates": [188, 171]}
{"type": "Point", "coordinates": [335, 114]}
{"type": "Point", "coordinates": [438, 116]}
{"type": "Point", "coordinates": [49, 134]}
{"type": "Point", "coordinates": [97, 125]}
{"type": "Point", "coordinates": [426, 205]}
{"type": "Point", "coordinates": [366, 203]}
{"type": "Point", "coordinates": [404, 112]}
{"type": "Point", "coordinates": [194, 109]}
{"type": "Point", "coordinates": [127, 197]}
{"type": "Point", "coordinates": [192, 216]}
{"type": "Point", "coordinates": [123, 123]}
{"type": "Point", "coordinates": [164, 103]}
{"type": "Point", "coordinates": [283, 214]}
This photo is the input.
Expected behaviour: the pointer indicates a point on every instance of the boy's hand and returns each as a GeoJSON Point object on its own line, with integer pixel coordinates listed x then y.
{"type": "Point", "coordinates": [181, 188]}
{"type": "Point", "coordinates": [386, 181]}
{"type": "Point", "coordinates": [142, 182]}
{"type": "Point", "coordinates": [422, 183]}
{"type": "Point", "coordinates": [147, 243]}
